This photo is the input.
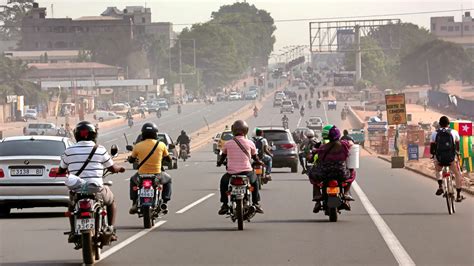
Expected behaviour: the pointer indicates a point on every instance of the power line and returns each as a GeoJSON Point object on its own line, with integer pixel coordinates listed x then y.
{"type": "Point", "coordinates": [282, 20]}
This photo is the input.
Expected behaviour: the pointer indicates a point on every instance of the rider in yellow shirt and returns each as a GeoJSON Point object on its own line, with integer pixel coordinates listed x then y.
{"type": "Point", "coordinates": [152, 165]}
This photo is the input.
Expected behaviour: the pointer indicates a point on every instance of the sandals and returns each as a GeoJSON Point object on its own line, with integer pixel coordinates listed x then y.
{"type": "Point", "coordinates": [460, 198]}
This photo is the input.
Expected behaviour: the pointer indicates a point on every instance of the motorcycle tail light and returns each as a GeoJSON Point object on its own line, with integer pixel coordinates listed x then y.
{"type": "Point", "coordinates": [85, 205]}
{"type": "Point", "coordinates": [237, 181]}
{"type": "Point", "coordinates": [147, 200]}
{"type": "Point", "coordinates": [147, 183]}
{"type": "Point", "coordinates": [332, 183]}
{"type": "Point", "coordinates": [103, 213]}
{"type": "Point", "coordinates": [86, 214]}
{"type": "Point", "coordinates": [2, 174]}
{"type": "Point", "coordinates": [446, 174]}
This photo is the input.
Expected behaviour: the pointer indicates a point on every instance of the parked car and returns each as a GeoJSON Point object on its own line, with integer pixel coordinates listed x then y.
{"type": "Point", "coordinates": [168, 141]}
{"type": "Point", "coordinates": [287, 107]}
{"type": "Point", "coordinates": [284, 148]}
{"type": "Point", "coordinates": [120, 108]}
{"type": "Point", "coordinates": [46, 129]}
{"type": "Point", "coordinates": [28, 172]}
{"type": "Point", "coordinates": [315, 123]}
{"type": "Point", "coordinates": [106, 115]}
{"type": "Point", "coordinates": [31, 114]}
{"type": "Point", "coordinates": [234, 96]}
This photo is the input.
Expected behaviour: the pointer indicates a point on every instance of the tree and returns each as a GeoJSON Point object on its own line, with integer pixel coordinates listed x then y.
{"type": "Point", "coordinates": [12, 73]}
{"type": "Point", "coordinates": [12, 16]}
{"type": "Point", "coordinates": [433, 63]}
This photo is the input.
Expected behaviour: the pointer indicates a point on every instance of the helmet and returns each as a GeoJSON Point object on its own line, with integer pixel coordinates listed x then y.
{"type": "Point", "coordinates": [325, 131]}
{"type": "Point", "coordinates": [149, 131]}
{"type": "Point", "coordinates": [240, 127]}
{"type": "Point", "coordinates": [85, 131]}
{"type": "Point", "coordinates": [334, 134]}
{"type": "Point", "coordinates": [183, 132]}
{"type": "Point", "coordinates": [309, 134]}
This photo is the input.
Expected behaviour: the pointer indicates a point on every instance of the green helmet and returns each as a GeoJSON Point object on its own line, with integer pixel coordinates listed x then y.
{"type": "Point", "coordinates": [325, 131]}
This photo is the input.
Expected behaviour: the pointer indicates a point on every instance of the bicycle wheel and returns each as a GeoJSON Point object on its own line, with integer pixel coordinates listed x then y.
{"type": "Point", "coordinates": [447, 194]}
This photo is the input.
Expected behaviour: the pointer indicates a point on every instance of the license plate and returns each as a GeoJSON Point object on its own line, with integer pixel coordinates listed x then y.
{"type": "Point", "coordinates": [332, 190]}
{"type": "Point", "coordinates": [238, 190]}
{"type": "Point", "coordinates": [84, 224]}
{"type": "Point", "coordinates": [26, 172]}
{"type": "Point", "coordinates": [258, 171]}
{"type": "Point", "coordinates": [147, 193]}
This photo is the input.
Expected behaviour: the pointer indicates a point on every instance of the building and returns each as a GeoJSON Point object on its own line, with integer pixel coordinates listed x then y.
{"type": "Point", "coordinates": [142, 23]}
{"type": "Point", "coordinates": [42, 33]}
{"type": "Point", "coordinates": [72, 71]}
{"type": "Point", "coordinates": [447, 29]}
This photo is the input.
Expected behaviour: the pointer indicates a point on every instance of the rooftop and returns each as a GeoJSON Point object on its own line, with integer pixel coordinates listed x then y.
{"type": "Point", "coordinates": [97, 18]}
{"type": "Point", "coordinates": [80, 65]}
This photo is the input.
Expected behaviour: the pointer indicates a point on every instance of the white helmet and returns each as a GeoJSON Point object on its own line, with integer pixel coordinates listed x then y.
{"type": "Point", "coordinates": [309, 134]}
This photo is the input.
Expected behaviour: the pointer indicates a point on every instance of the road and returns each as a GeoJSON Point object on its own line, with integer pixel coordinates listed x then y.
{"type": "Point", "coordinates": [396, 219]}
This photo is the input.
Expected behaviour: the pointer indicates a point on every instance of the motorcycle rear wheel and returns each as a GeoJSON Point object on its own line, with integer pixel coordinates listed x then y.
{"type": "Point", "coordinates": [147, 217]}
{"type": "Point", "coordinates": [88, 250]}
{"type": "Point", "coordinates": [332, 214]}
{"type": "Point", "coordinates": [239, 210]}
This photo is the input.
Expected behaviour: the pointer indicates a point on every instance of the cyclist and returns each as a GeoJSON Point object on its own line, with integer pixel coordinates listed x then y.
{"type": "Point", "coordinates": [444, 148]}
{"type": "Point", "coordinates": [152, 165]}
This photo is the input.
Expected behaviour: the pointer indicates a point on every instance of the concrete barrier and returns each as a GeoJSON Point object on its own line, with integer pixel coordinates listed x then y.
{"type": "Point", "coordinates": [355, 121]}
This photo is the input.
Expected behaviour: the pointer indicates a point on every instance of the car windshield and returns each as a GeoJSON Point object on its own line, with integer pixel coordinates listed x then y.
{"type": "Point", "coordinates": [287, 103]}
{"type": "Point", "coordinates": [276, 135]}
{"type": "Point", "coordinates": [31, 111]}
{"type": "Point", "coordinates": [227, 136]}
{"type": "Point", "coordinates": [315, 120]}
{"type": "Point", "coordinates": [162, 138]}
{"type": "Point", "coordinates": [32, 147]}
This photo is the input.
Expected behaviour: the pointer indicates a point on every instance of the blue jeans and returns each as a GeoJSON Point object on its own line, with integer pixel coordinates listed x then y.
{"type": "Point", "coordinates": [267, 159]}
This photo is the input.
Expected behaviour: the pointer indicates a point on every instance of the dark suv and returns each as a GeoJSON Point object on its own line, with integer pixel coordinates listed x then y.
{"type": "Point", "coordinates": [284, 148]}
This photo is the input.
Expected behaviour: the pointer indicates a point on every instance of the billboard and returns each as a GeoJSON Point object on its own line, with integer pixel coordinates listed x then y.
{"type": "Point", "coordinates": [344, 79]}
{"type": "Point", "coordinates": [396, 109]}
{"type": "Point", "coordinates": [345, 39]}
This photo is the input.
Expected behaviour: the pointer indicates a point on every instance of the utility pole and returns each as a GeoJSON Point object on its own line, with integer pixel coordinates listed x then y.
{"type": "Point", "coordinates": [180, 68]}
{"type": "Point", "coordinates": [428, 73]}
{"type": "Point", "coordinates": [358, 59]}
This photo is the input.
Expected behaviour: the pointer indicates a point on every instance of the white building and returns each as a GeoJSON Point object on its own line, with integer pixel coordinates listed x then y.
{"type": "Point", "coordinates": [447, 29]}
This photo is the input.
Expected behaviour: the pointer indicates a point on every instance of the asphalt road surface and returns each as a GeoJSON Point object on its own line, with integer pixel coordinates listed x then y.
{"type": "Point", "coordinates": [396, 218]}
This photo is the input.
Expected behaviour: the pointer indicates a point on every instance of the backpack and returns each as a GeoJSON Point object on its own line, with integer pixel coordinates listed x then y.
{"type": "Point", "coordinates": [259, 145]}
{"type": "Point", "coordinates": [445, 149]}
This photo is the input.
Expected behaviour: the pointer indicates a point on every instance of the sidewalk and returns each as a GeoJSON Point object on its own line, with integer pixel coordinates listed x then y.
{"type": "Point", "coordinates": [424, 166]}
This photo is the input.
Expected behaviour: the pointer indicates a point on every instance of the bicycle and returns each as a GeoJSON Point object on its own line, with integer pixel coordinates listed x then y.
{"type": "Point", "coordinates": [448, 188]}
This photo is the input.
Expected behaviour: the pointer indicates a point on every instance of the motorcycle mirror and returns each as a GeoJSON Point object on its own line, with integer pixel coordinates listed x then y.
{"type": "Point", "coordinates": [129, 147]}
{"type": "Point", "coordinates": [171, 146]}
{"type": "Point", "coordinates": [114, 150]}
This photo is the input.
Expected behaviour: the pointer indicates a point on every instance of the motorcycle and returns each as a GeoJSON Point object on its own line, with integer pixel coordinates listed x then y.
{"type": "Point", "coordinates": [285, 124]}
{"type": "Point", "coordinates": [158, 114]}
{"type": "Point", "coordinates": [259, 171]}
{"type": "Point", "coordinates": [150, 205]}
{"type": "Point", "coordinates": [179, 109]}
{"type": "Point", "coordinates": [343, 115]}
{"type": "Point", "coordinates": [318, 104]}
{"type": "Point", "coordinates": [302, 112]}
{"type": "Point", "coordinates": [183, 152]}
{"type": "Point", "coordinates": [333, 198]}
{"type": "Point", "coordinates": [310, 105]}
{"type": "Point", "coordinates": [130, 122]}
{"type": "Point", "coordinates": [255, 114]}
{"type": "Point", "coordinates": [240, 204]}
{"type": "Point", "coordinates": [91, 229]}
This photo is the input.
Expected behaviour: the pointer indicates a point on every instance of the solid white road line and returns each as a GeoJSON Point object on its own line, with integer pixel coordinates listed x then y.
{"type": "Point", "coordinates": [400, 254]}
{"type": "Point", "coordinates": [183, 210]}
{"type": "Point", "coordinates": [299, 122]}
{"type": "Point", "coordinates": [129, 240]}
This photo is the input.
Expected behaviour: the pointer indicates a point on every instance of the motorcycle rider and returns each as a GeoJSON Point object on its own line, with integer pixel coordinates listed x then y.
{"type": "Point", "coordinates": [332, 154]}
{"type": "Point", "coordinates": [310, 104]}
{"type": "Point", "coordinates": [300, 98]}
{"type": "Point", "coordinates": [284, 120]}
{"type": "Point", "coordinates": [151, 166]}
{"type": "Point", "coordinates": [73, 160]}
{"type": "Point", "coordinates": [238, 162]}
{"type": "Point", "coordinates": [263, 152]}
{"type": "Point", "coordinates": [158, 112]}
{"type": "Point", "coordinates": [184, 139]}
{"type": "Point", "coordinates": [255, 111]}
{"type": "Point", "coordinates": [346, 136]}
{"type": "Point", "coordinates": [302, 110]}
{"type": "Point", "coordinates": [318, 102]}
{"type": "Point", "coordinates": [306, 148]}
{"type": "Point", "coordinates": [452, 137]}
{"type": "Point", "coordinates": [179, 108]}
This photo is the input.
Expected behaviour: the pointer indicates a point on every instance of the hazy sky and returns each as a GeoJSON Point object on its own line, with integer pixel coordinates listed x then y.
{"type": "Point", "coordinates": [288, 33]}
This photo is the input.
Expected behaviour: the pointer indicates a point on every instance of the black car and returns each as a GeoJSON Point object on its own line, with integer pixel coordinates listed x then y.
{"type": "Point", "coordinates": [284, 148]}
